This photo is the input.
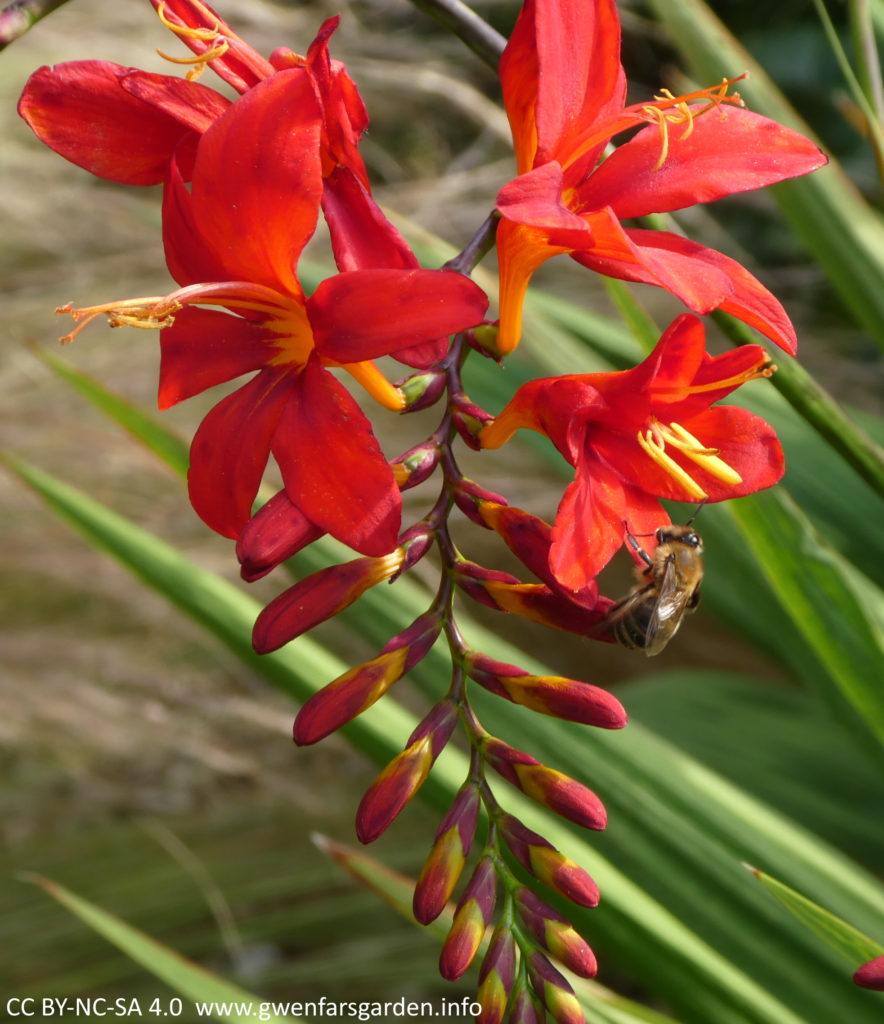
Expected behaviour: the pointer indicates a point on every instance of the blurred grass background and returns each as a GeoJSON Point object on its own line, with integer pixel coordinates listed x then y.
{"type": "Point", "coordinates": [114, 711]}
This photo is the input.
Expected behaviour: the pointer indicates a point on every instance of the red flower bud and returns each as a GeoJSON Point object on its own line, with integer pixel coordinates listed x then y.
{"type": "Point", "coordinates": [471, 919]}
{"type": "Point", "coordinates": [318, 597]}
{"type": "Point", "coordinates": [469, 419]}
{"type": "Point", "coordinates": [421, 390]}
{"type": "Point", "coordinates": [470, 497]}
{"type": "Point", "coordinates": [871, 975]}
{"type": "Point", "coordinates": [445, 864]}
{"type": "Point", "coordinates": [570, 699]}
{"type": "Point", "coordinates": [278, 530]}
{"type": "Point", "coordinates": [556, 934]}
{"type": "Point", "coordinates": [530, 538]}
{"type": "Point", "coordinates": [415, 465]}
{"type": "Point", "coordinates": [405, 774]}
{"type": "Point", "coordinates": [526, 1009]}
{"type": "Point", "coordinates": [555, 992]}
{"type": "Point", "coordinates": [496, 976]}
{"type": "Point", "coordinates": [545, 863]}
{"type": "Point", "coordinates": [552, 789]}
{"type": "Point", "coordinates": [348, 696]}
{"type": "Point", "coordinates": [533, 601]}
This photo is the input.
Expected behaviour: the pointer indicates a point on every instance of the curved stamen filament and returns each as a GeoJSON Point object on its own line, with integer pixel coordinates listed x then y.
{"type": "Point", "coordinates": [706, 458]}
{"type": "Point", "coordinates": [655, 449]}
{"type": "Point", "coordinates": [757, 372]}
{"type": "Point", "coordinates": [657, 436]}
{"type": "Point", "coordinates": [217, 48]}
{"type": "Point", "coordinates": [130, 312]}
{"type": "Point", "coordinates": [714, 96]}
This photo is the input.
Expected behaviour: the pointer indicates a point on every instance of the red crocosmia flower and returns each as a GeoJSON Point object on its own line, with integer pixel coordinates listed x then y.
{"type": "Point", "coordinates": [233, 241]}
{"type": "Point", "coordinates": [643, 434]}
{"type": "Point", "coordinates": [564, 91]}
{"type": "Point", "coordinates": [125, 125]}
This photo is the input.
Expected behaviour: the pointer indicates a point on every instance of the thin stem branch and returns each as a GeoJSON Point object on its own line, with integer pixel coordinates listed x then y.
{"type": "Point", "coordinates": [16, 18]}
{"type": "Point", "coordinates": [486, 42]}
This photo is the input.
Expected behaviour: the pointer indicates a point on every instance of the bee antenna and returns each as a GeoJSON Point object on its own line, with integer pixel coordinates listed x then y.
{"type": "Point", "coordinates": [690, 522]}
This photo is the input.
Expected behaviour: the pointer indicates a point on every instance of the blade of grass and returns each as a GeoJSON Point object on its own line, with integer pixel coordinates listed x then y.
{"type": "Point", "coordinates": [183, 976]}
{"type": "Point", "coordinates": [855, 947]}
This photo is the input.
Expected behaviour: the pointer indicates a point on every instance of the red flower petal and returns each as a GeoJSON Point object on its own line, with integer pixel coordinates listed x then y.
{"type": "Point", "coordinates": [535, 199]}
{"type": "Point", "coordinates": [560, 72]}
{"type": "Point", "coordinates": [333, 467]}
{"type": "Point", "coordinates": [371, 313]}
{"type": "Point", "coordinates": [205, 347]}
{"type": "Point", "coordinates": [589, 524]}
{"type": "Point", "coordinates": [729, 150]}
{"type": "Point", "coordinates": [230, 450]}
{"type": "Point", "coordinates": [81, 110]}
{"type": "Point", "coordinates": [257, 182]}
{"type": "Point", "coordinates": [748, 300]}
{"type": "Point", "coordinates": [699, 284]}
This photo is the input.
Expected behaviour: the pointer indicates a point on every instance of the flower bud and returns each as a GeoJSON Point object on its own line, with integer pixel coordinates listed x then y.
{"type": "Point", "coordinates": [470, 497]}
{"type": "Point", "coordinates": [469, 419]}
{"type": "Point", "coordinates": [556, 934]}
{"type": "Point", "coordinates": [405, 774]}
{"type": "Point", "coordinates": [445, 864]}
{"type": "Point", "coordinates": [555, 790]}
{"type": "Point", "coordinates": [318, 597]}
{"type": "Point", "coordinates": [348, 696]}
{"type": "Point", "coordinates": [496, 976]}
{"type": "Point", "coordinates": [554, 991]}
{"type": "Point", "coordinates": [530, 538]}
{"type": "Point", "coordinates": [871, 975]}
{"type": "Point", "coordinates": [278, 530]}
{"type": "Point", "coordinates": [484, 339]}
{"type": "Point", "coordinates": [422, 389]}
{"type": "Point", "coordinates": [526, 1009]}
{"type": "Point", "coordinates": [415, 542]}
{"type": "Point", "coordinates": [471, 919]}
{"type": "Point", "coordinates": [415, 465]}
{"type": "Point", "coordinates": [570, 699]}
{"type": "Point", "coordinates": [547, 865]}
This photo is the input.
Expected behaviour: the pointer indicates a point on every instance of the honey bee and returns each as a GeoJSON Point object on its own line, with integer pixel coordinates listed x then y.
{"type": "Point", "coordinates": [649, 617]}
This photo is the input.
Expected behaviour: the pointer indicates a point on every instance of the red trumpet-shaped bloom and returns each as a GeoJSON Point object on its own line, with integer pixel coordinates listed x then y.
{"type": "Point", "coordinates": [233, 240]}
{"type": "Point", "coordinates": [126, 125]}
{"type": "Point", "coordinates": [643, 434]}
{"type": "Point", "coordinates": [564, 91]}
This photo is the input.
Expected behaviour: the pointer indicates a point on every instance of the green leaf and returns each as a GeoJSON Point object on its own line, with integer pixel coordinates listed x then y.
{"type": "Point", "coordinates": [836, 610]}
{"type": "Point", "coordinates": [183, 976]}
{"type": "Point", "coordinates": [143, 426]}
{"type": "Point", "coordinates": [855, 947]}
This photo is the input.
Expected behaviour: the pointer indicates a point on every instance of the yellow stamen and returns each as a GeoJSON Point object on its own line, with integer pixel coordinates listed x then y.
{"type": "Point", "coordinates": [766, 369]}
{"type": "Point", "coordinates": [147, 312]}
{"type": "Point", "coordinates": [667, 110]}
{"type": "Point", "coordinates": [655, 449]}
{"type": "Point", "coordinates": [706, 458]}
{"type": "Point", "coordinates": [219, 46]}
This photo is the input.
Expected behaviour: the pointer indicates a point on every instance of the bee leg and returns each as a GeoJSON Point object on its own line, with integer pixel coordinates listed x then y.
{"type": "Point", "coordinates": [638, 549]}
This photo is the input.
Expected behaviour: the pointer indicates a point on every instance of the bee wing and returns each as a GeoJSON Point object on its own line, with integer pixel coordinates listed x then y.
{"type": "Point", "coordinates": [672, 602]}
